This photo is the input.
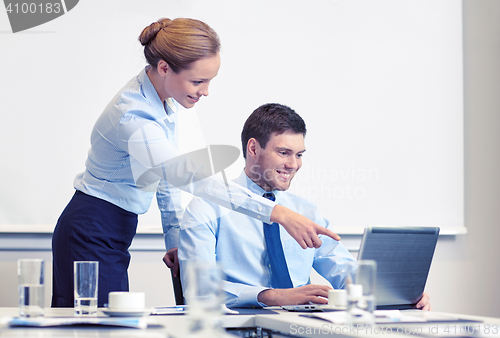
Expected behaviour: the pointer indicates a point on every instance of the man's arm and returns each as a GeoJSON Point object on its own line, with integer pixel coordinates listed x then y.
{"type": "Point", "coordinates": [306, 294]}
{"type": "Point", "coordinates": [205, 226]}
{"type": "Point", "coordinates": [332, 259]}
{"type": "Point", "coordinates": [197, 242]}
{"type": "Point", "coordinates": [172, 261]}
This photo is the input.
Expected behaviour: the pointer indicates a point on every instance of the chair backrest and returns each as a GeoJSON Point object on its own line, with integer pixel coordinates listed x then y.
{"type": "Point", "coordinates": [176, 282]}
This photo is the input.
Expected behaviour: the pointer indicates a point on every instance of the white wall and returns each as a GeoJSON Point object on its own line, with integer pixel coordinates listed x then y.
{"type": "Point", "coordinates": [379, 84]}
{"type": "Point", "coordinates": [465, 273]}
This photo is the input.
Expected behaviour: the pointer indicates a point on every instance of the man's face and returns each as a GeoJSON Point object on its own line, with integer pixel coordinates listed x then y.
{"type": "Point", "coordinates": [276, 165]}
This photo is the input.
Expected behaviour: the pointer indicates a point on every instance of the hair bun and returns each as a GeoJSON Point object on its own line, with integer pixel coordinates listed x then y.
{"type": "Point", "coordinates": [149, 33]}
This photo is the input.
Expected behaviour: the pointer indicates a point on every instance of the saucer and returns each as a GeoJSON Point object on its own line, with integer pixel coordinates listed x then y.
{"type": "Point", "coordinates": [327, 307]}
{"type": "Point", "coordinates": [127, 312]}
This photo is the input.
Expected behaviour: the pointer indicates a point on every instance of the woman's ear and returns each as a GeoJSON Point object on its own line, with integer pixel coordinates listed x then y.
{"type": "Point", "coordinates": [163, 68]}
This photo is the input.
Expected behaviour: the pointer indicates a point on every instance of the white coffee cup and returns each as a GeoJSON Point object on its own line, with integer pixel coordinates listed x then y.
{"type": "Point", "coordinates": [337, 297]}
{"type": "Point", "coordinates": [123, 300]}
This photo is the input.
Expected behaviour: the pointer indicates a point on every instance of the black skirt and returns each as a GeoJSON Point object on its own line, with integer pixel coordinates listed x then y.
{"type": "Point", "coordinates": [91, 229]}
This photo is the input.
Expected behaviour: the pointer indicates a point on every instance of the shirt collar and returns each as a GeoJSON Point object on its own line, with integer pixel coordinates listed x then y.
{"type": "Point", "coordinates": [171, 106]}
{"type": "Point", "coordinates": [245, 181]}
{"type": "Point", "coordinates": [165, 109]}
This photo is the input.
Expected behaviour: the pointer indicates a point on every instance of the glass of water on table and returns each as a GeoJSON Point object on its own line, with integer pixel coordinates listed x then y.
{"type": "Point", "coordinates": [30, 273]}
{"type": "Point", "coordinates": [86, 275]}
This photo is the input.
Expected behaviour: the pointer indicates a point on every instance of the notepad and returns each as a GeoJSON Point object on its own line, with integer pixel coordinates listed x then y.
{"type": "Point", "coordinates": [138, 323]}
{"type": "Point", "coordinates": [392, 317]}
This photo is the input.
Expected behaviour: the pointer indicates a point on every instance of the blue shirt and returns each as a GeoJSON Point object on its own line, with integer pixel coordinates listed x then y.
{"type": "Point", "coordinates": [212, 234]}
{"type": "Point", "coordinates": [134, 155]}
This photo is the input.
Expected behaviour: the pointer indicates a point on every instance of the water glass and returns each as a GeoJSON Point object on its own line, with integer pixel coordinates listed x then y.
{"type": "Point", "coordinates": [205, 297]}
{"type": "Point", "coordinates": [361, 302]}
{"type": "Point", "coordinates": [30, 273]}
{"type": "Point", "coordinates": [86, 275]}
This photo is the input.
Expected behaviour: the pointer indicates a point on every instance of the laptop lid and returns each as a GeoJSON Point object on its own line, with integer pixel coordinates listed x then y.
{"type": "Point", "coordinates": [403, 256]}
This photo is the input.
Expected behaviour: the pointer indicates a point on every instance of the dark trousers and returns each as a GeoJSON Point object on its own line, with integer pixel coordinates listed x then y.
{"type": "Point", "coordinates": [91, 229]}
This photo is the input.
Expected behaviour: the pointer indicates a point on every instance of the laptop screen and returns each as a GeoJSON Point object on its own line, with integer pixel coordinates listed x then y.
{"type": "Point", "coordinates": [403, 256]}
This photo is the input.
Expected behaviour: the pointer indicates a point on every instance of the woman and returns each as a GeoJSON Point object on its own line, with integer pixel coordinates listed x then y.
{"type": "Point", "coordinates": [132, 146]}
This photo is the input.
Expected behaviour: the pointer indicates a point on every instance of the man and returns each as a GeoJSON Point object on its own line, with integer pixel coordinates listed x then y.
{"type": "Point", "coordinates": [273, 145]}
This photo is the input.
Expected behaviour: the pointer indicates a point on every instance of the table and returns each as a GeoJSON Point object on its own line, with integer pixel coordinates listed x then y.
{"type": "Point", "coordinates": [295, 324]}
{"type": "Point", "coordinates": [158, 326]}
{"type": "Point", "coordinates": [283, 324]}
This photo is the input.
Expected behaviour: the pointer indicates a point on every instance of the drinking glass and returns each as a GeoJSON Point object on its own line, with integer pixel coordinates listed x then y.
{"type": "Point", "coordinates": [205, 297]}
{"type": "Point", "coordinates": [86, 275]}
{"type": "Point", "coordinates": [361, 302]}
{"type": "Point", "coordinates": [30, 273]}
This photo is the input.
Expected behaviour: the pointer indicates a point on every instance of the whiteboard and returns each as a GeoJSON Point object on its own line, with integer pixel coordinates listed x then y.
{"type": "Point", "coordinates": [379, 84]}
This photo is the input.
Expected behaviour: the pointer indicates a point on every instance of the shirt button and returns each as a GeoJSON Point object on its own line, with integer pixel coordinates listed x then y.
{"type": "Point", "coordinates": [258, 216]}
{"type": "Point", "coordinates": [232, 200]}
{"type": "Point", "coordinates": [269, 266]}
{"type": "Point", "coordinates": [260, 208]}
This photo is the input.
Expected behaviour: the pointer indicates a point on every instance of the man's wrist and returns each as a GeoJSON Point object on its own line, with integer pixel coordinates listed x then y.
{"type": "Point", "coordinates": [269, 297]}
{"type": "Point", "coordinates": [263, 297]}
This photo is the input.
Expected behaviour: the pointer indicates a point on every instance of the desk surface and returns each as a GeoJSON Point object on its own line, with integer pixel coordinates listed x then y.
{"type": "Point", "coordinates": [288, 323]}
{"type": "Point", "coordinates": [296, 324]}
{"type": "Point", "coordinates": [158, 326]}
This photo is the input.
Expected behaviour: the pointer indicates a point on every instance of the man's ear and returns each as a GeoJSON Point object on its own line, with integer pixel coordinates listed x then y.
{"type": "Point", "coordinates": [163, 68]}
{"type": "Point", "coordinates": [252, 148]}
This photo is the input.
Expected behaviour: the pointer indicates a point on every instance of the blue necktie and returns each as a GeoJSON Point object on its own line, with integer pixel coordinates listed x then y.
{"type": "Point", "coordinates": [280, 275]}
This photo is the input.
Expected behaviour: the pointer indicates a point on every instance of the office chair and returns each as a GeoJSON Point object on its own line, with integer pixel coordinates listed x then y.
{"type": "Point", "coordinates": [176, 282]}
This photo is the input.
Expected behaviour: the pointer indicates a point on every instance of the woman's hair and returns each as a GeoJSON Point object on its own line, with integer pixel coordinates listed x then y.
{"type": "Point", "coordinates": [268, 119]}
{"type": "Point", "coordinates": [178, 42]}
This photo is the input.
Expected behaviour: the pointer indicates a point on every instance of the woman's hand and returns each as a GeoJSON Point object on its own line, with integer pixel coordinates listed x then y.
{"type": "Point", "coordinates": [301, 228]}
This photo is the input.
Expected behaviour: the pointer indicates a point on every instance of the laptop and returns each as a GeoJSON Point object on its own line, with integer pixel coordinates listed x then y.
{"type": "Point", "coordinates": [403, 256]}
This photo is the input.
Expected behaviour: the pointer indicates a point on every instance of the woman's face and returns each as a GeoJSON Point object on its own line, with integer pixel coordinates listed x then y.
{"type": "Point", "coordinates": [189, 85]}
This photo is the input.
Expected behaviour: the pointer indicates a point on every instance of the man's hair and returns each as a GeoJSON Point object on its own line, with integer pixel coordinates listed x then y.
{"type": "Point", "coordinates": [268, 119]}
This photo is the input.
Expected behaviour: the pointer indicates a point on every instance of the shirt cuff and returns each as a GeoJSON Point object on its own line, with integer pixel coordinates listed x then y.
{"type": "Point", "coordinates": [250, 294]}
{"type": "Point", "coordinates": [171, 238]}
